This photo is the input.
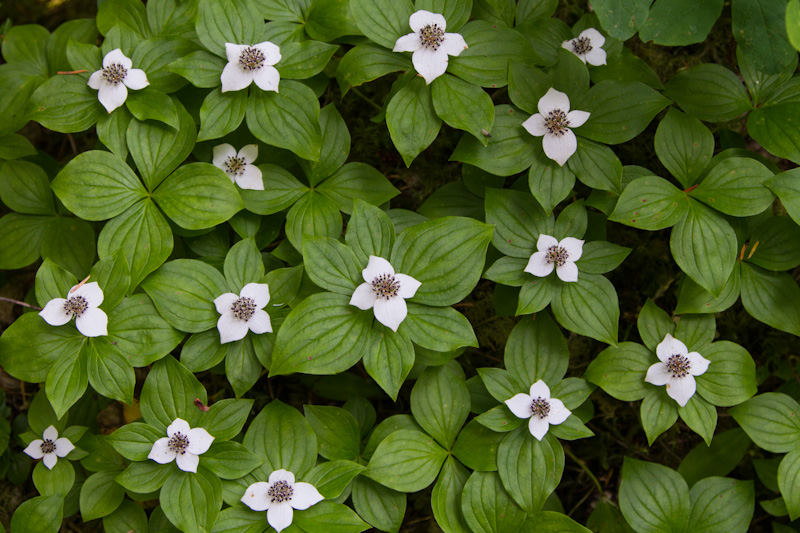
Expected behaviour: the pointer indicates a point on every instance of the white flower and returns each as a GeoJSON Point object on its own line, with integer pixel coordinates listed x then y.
{"type": "Point", "coordinates": [114, 79]}
{"type": "Point", "coordinates": [677, 369]}
{"type": "Point", "coordinates": [81, 302]}
{"type": "Point", "coordinates": [430, 44]}
{"type": "Point", "coordinates": [251, 63]}
{"type": "Point", "coordinates": [554, 254]}
{"type": "Point", "coordinates": [279, 497]}
{"type": "Point", "coordinates": [51, 448]}
{"type": "Point", "coordinates": [540, 408]}
{"type": "Point", "coordinates": [183, 445]}
{"type": "Point", "coordinates": [553, 121]}
{"type": "Point", "coordinates": [239, 166]}
{"type": "Point", "coordinates": [385, 292]}
{"type": "Point", "coordinates": [243, 312]}
{"type": "Point", "coordinates": [587, 47]}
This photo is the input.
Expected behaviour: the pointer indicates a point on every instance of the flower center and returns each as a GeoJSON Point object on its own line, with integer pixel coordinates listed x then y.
{"type": "Point", "coordinates": [76, 305]}
{"type": "Point", "coordinates": [244, 308]}
{"type": "Point", "coordinates": [48, 446]}
{"type": "Point", "coordinates": [251, 58]}
{"type": "Point", "coordinates": [431, 36]}
{"type": "Point", "coordinates": [178, 443]}
{"type": "Point", "coordinates": [678, 365]}
{"type": "Point", "coordinates": [557, 255]}
{"type": "Point", "coordinates": [280, 491]}
{"type": "Point", "coordinates": [385, 286]}
{"type": "Point", "coordinates": [556, 122]}
{"type": "Point", "coordinates": [540, 407]}
{"type": "Point", "coordinates": [114, 73]}
{"type": "Point", "coordinates": [235, 165]}
{"type": "Point", "coordinates": [581, 45]}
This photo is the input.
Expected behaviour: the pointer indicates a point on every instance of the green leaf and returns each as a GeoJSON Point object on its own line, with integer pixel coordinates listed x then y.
{"type": "Point", "coordinates": [681, 22]}
{"type": "Point", "coordinates": [112, 130]}
{"type": "Point", "coordinates": [191, 501]}
{"type": "Point", "coordinates": [788, 474]}
{"type": "Point", "coordinates": [412, 120]}
{"type": "Point", "coordinates": [536, 350]}
{"type": "Point", "coordinates": [337, 431]}
{"type": "Point", "coordinates": [221, 113]}
{"type": "Point", "coordinates": [327, 20]}
{"type": "Point", "coordinates": [620, 371]}
{"type": "Point", "coordinates": [30, 347]}
{"type": "Point", "coordinates": [622, 18]}
{"type": "Point", "coordinates": [382, 507]}
{"type": "Point", "coordinates": [230, 460]}
{"type": "Point", "coordinates": [442, 329]}
{"type": "Point", "coordinates": [305, 59]}
{"type": "Point", "coordinates": [25, 188]}
{"type": "Point", "coordinates": [550, 183]}
{"type": "Point", "coordinates": [695, 299]}
{"type": "Point", "coordinates": [597, 166]}
{"type": "Point", "coordinates": [760, 30]}
{"type": "Point", "coordinates": [775, 128]}
{"type": "Point", "coordinates": [382, 21]}
{"type": "Point", "coordinates": [771, 420]}
{"type": "Point", "coordinates": [242, 366]}
{"type": "Point", "coordinates": [331, 478]}
{"type": "Point", "coordinates": [335, 147]}
{"type": "Point", "coordinates": [40, 514]}
{"type": "Point", "coordinates": [278, 422]}
{"type": "Point", "coordinates": [500, 383]}
{"type": "Point", "coordinates": [243, 264]}
{"type": "Point", "coordinates": [153, 105]}
{"type": "Point", "coordinates": [476, 447]}
{"type": "Point", "coordinates": [518, 221]}
{"type": "Point", "coordinates": [100, 495]}
{"type": "Point", "coordinates": [530, 469]}
{"type": "Point", "coordinates": [406, 461]}
{"type": "Point", "coordinates": [589, 307]}
{"type": "Point", "coordinates": [735, 187]}
{"type": "Point", "coordinates": [696, 331]}
{"type": "Point", "coordinates": [169, 392]}
{"type": "Point", "coordinates": [369, 232]}
{"type": "Point", "coordinates": [67, 380]}
{"type": "Point", "coordinates": [330, 517]}
{"type": "Point", "coordinates": [227, 21]}
{"type": "Point", "coordinates": [366, 62]}
{"type": "Point", "coordinates": [226, 418]}
{"type": "Point", "coordinates": [776, 236]}
{"type": "Point", "coordinates": [22, 239]}
{"type": "Point", "coordinates": [314, 214]}
{"type": "Point", "coordinates": [446, 497]}
{"type": "Point", "coordinates": [536, 294]}
{"type": "Point", "coordinates": [281, 190]}
{"type": "Point", "coordinates": [134, 441]}
{"type": "Point", "coordinates": [653, 498]}
{"type": "Point", "coordinates": [717, 459]}
{"type": "Point", "coordinates": [654, 324]}
{"type": "Point", "coordinates": [144, 477]}
{"type": "Point", "coordinates": [709, 92]}
{"type": "Point", "coordinates": [201, 68]}
{"type": "Point", "coordinates": [700, 416]}
{"type": "Point", "coordinates": [389, 358]}
{"type": "Point", "coordinates": [600, 257]}
{"type": "Point", "coordinates": [127, 517]}
{"type": "Point", "coordinates": [487, 507]}
{"type": "Point", "coordinates": [650, 203]}
{"type": "Point", "coordinates": [66, 104]}
{"type": "Point", "coordinates": [69, 242]}
{"type": "Point", "coordinates": [57, 481]}
{"type": "Point", "coordinates": [731, 376]}
{"type": "Point", "coordinates": [110, 372]}
{"type": "Point", "coordinates": [619, 110]}
{"type": "Point", "coordinates": [771, 297]}
{"type": "Point", "coordinates": [508, 271]}
{"type": "Point", "coordinates": [658, 412]}
{"type": "Point", "coordinates": [440, 403]}
{"type": "Point", "coordinates": [721, 505]}
{"type": "Point", "coordinates": [357, 180]}
{"type": "Point", "coordinates": [13, 146]}
{"type": "Point", "coordinates": [463, 106]}
{"type": "Point", "coordinates": [683, 144]}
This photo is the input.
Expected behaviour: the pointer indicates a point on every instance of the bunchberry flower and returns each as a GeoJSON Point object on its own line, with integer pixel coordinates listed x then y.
{"type": "Point", "coordinates": [560, 255]}
{"type": "Point", "coordinates": [82, 302]}
{"type": "Point", "coordinates": [279, 497]}
{"type": "Point", "coordinates": [115, 78]}
{"type": "Point", "coordinates": [553, 121]}
{"type": "Point", "coordinates": [540, 408]}
{"type": "Point", "coordinates": [677, 369]}
{"type": "Point", "coordinates": [244, 312]}
{"type": "Point", "coordinates": [239, 166]}
{"type": "Point", "coordinates": [385, 292]}
{"type": "Point", "coordinates": [430, 44]}
{"type": "Point", "coordinates": [182, 444]}
{"type": "Point", "coordinates": [587, 46]}
{"type": "Point", "coordinates": [251, 63]}
{"type": "Point", "coordinates": [49, 449]}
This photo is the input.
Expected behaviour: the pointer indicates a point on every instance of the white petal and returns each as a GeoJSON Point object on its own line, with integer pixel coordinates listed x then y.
{"type": "Point", "coordinates": [538, 427]}
{"type": "Point", "coordinates": [112, 96]}
{"type": "Point", "coordinates": [305, 495]}
{"type": "Point", "coordinates": [234, 78]}
{"type": "Point", "coordinates": [430, 64]}
{"type": "Point", "coordinates": [63, 447]}
{"type": "Point", "coordinates": [224, 302]}
{"type": "Point", "coordinates": [407, 43]}
{"type": "Point", "coordinates": [363, 297]}
{"type": "Point", "coordinates": [51, 433]}
{"type": "Point", "coordinates": [281, 475]}
{"type": "Point", "coordinates": [258, 292]}
{"type": "Point", "coordinates": [249, 153]}
{"type": "Point", "coordinates": [670, 346]}
{"type": "Point", "coordinates": [255, 497]}
{"type": "Point", "coordinates": [260, 323]}
{"type": "Point", "coordinates": [376, 267]}
{"type": "Point", "coordinates": [682, 389]}
{"type": "Point", "coordinates": [595, 37]}
{"type": "Point", "coordinates": [558, 412]}
{"type": "Point", "coordinates": [179, 425]}
{"type": "Point", "coordinates": [545, 242]}
{"type": "Point", "coordinates": [560, 148]}
{"type": "Point", "coordinates": [267, 78]}
{"type": "Point", "coordinates": [234, 51]}
{"type": "Point", "coordinates": [221, 153]}
{"type": "Point", "coordinates": [279, 516]}
{"type": "Point", "coordinates": [272, 52]}
{"type": "Point", "coordinates": [553, 100]}
{"type": "Point", "coordinates": [390, 313]}
{"type": "Point", "coordinates": [54, 313]}
{"type": "Point", "coordinates": [596, 57]}
{"type": "Point", "coordinates": [698, 363]}
{"type": "Point", "coordinates": [658, 374]}
{"type": "Point", "coordinates": [535, 125]}
{"type": "Point", "coordinates": [577, 118]}
{"type": "Point", "coordinates": [540, 390]}
{"type": "Point", "coordinates": [116, 56]}
{"type": "Point", "coordinates": [567, 272]}
{"type": "Point", "coordinates": [93, 323]}
{"type": "Point", "coordinates": [520, 405]}
{"type": "Point", "coordinates": [231, 328]}
{"type": "Point", "coordinates": [96, 79]}
{"type": "Point", "coordinates": [91, 292]}
{"type": "Point", "coordinates": [423, 18]}
{"type": "Point", "coordinates": [50, 460]}
{"type": "Point", "coordinates": [136, 79]}
{"type": "Point", "coordinates": [538, 265]}
{"type": "Point", "coordinates": [160, 452]}
{"type": "Point", "coordinates": [251, 179]}
{"type": "Point", "coordinates": [187, 461]}
{"type": "Point", "coordinates": [408, 285]}
{"type": "Point", "coordinates": [453, 44]}
{"type": "Point", "coordinates": [34, 449]}
{"type": "Point", "coordinates": [573, 247]}
{"type": "Point", "coordinates": [199, 441]}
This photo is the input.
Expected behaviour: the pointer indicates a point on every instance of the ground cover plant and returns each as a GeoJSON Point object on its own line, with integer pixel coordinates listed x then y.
{"type": "Point", "coordinates": [400, 265]}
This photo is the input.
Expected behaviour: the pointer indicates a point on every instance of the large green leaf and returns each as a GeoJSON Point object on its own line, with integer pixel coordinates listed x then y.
{"type": "Point", "coordinates": [653, 498]}
{"type": "Point", "coordinates": [366, 62]}
{"type": "Point", "coordinates": [487, 507]}
{"type": "Point", "coordinates": [442, 329]}
{"type": "Point", "coordinates": [731, 376]}
{"type": "Point", "coordinates": [389, 358]}
{"type": "Point", "coordinates": [735, 187]}
{"type": "Point", "coordinates": [536, 350]}
{"type": "Point", "coordinates": [622, 18]}
{"type": "Point", "coordinates": [278, 422]}
{"type": "Point", "coordinates": [684, 145]}
{"type": "Point", "coordinates": [771, 420]}
{"type": "Point", "coordinates": [619, 110]}
{"type": "Point", "coordinates": [407, 461]}
{"type": "Point", "coordinates": [66, 104]}
{"type": "Point", "coordinates": [771, 297]}
{"type": "Point", "coordinates": [169, 392]}
{"type": "Point", "coordinates": [412, 121]}
{"type": "Point", "coordinates": [680, 22]}
{"type": "Point", "coordinates": [620, 371]}
{"type": "Point", "coordinates": [383, 21]}
{"type": "Point", "coordinates": [721, 505]}
{"type": "Point", "coordinates": [759, 27]}
{"type": "Point", "coordinates": [191, 501]}
{"type": "Point", "coordinates": [446, 497]}
{"type": "Point", "coordinates": [25, 188]}
{"type": "Point", "coordinates": [518, 220]}
{"type": "Point", "coordinates": [788, 474]}
{"type": "Point", "coordinates": [335, 146]}
{"type": "Point", "coordinates": [709, 92]}
{"type": "Point", "coordinates": [588, 307]}
{"type": "Point", "coordinates": [440, 403]}
{"type": "Point", "coordinates": [530, 469]}
{"type": "Point", "coordinates": [228, 21]}
{"type": "Point", "coordinates": [221, 113]}
{"type": "Point", "coordinates": [775, 128]}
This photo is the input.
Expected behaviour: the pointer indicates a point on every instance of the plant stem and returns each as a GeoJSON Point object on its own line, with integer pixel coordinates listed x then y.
{"type": "Point", "coordinates": [366, 98]}
{"type": "Point", "coordinates": [23, 304]}
{"type": "Point", "coordinates": [585, 468]}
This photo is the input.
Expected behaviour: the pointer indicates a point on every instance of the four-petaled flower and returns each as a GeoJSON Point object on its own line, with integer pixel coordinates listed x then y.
{"type": "Point", "coordinates": [430, 44]}
{"type": "Point", "coordinates": [243, 312]}
{"type": "Point", "coordinates": [587, 47]}
{"type": "Point", "coordinates": [560, 255]}
{"type": "Point", "coordinates": [49, 449]}
{"type": "Point", "coordinates": [81, 302]}
{"type": "Point", "coordinates": [385, 292]}
{"type": "Point", "coordinates": [115, 78]}
{"type": "Point", "coordinates": [239, 166]}
{"type": "Point", "coordinates": [279, 497]}
{"type": "Point", "coordinates": [248, 63]}
{"type": "Point", "coordinates": [540, 408]}
{"type": "Point", "coordinates": [677, 369]}
{"type": "Point", "coordinates": [183, 445]}
{"type": "Point", "coordinates": [553, 121]}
